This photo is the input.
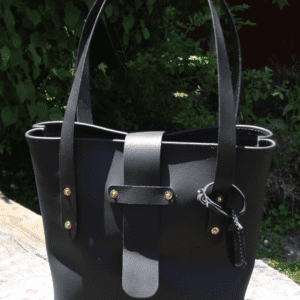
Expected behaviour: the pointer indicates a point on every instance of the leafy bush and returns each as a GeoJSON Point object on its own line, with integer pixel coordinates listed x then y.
{"type": "Point", "coordinates": [283, 182]}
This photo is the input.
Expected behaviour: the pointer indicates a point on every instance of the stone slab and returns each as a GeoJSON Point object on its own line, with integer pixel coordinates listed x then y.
{"type": "Point", "coordinates": [21, 230]}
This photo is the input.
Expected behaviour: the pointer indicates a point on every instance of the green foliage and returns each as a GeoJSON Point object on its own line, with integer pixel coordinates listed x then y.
{"type": "Point", "coordinates": [35, 46]}
{"type": "Point", "coordinates": [283, 181]}
{"type": "Point", "coordinates": [153, 89]}
{"type": "Point", "coordinates": [281, 3]}
{"type": "Point", "coordinates": [36, 53]}
{"type": "Point", "coordinates": [282, 223]}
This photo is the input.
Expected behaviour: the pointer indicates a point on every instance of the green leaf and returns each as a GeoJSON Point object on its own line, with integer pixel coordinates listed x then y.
{"type": "Point", "coordinates": [283, 210]}
{"type": "Point", "coordinates": [16, 58]}
{"type": "Point", "coordinates": [264, 96]}
{"type": "Point", "coordinates": [278, 93]}
{"type": "Point", "coordinates": [102, 67]}
{"type": "Point", "coordinates": [89, 3]}
{"type": "Point", "coordinates": [61, 73]}
{"type": "Point", "coordinates": [5, 53]}
{"type": "Point", "coordinates": [113, 19]}
{"type": "Point", "coordinates": [50, 5]}
{"type": "Point", "coordinates": [130, 8]}
{"type": "Point", "coordinates": [256, 94]}
{"type": "Point", "coordinates": [131, 20]}
{"type": "Point", "coordinates": [138, 37]}
{"type": "Point", "coordinates": [277, 123]}
{"type": "Point", "coordinates": [32, 112]}
{"type": "Point", "coordinates": [77, 31]}
{"type": "Point", "coordinates": [17, 41]}
{"type": "Point", "coordinates": [36, 73]}
{"type": "Point", "coordinates": [116, 10]}
{"type": "Point", "coordinates": [142, 23]}
{"type": "Point", "coordinates": [7, 3]}
{"type": "Point", "coordinates": [25, 67]}
{"type": "Point", "coordinates": [34, 38]}
{"type": "Point", "coordinates": [22, 91]}
{"type": "Point", "coordinates": [297, 127]}
{"type": "Point", "coordinates": [55, 114]}
{"type": "Point", "coordinates": [42, 9]}
{"type": "Point", "coordinates": [126, 24]}
{"type": "Point", "coordinates": [9, 19]}
{"type": "Point", "coordinates": [33, 16]}
{"type": "Point", "coordinates": [151, 2]}
{"type": "Point", "coordinates": [150, 8]}
{"type": "Point", "coordinates": [146, 33]}
{"type": "Point", "coordinates": [36, 58]}
{"type": "Point", "coordinates": [30, 89]}
{"type": "Point", "coordinates": [138, 4]}
{"type": "Point", "coordinates": [181, 69]}
{"type": "Point", "coordinates": [55, 19]}
{"type": "Point", "coordinates": [9, 116]}
{"type": "Point", "coordinates": [288, 108]}
{"type": "Point", "coordinates": [72, 15]}
{"type": "Point", "coordinates": [42, 110]}
{"type": "Point", "coordinates": [109, 10]}
{"type": "Point", "coordinates": [125, 39]}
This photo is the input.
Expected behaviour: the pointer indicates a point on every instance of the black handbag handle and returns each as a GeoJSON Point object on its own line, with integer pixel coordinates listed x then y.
{"type": "Point", "coordinates": [85, 115]}
{"type": "Point", "coordinates": [226, 153]}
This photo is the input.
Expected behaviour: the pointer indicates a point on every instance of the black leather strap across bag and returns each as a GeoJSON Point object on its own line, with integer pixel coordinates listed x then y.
{"type": "Point", "coordinates": [151, 214]}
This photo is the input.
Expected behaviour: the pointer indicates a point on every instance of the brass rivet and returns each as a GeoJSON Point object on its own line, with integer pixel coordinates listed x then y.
{"type": "Point", "coordinates": [220, 198]}
{"type": "Point", "coordinates": [114, 193]}
{"type": "Point", "coordinates": [68, 225]}
{"type": "Point", "coordinates": [215, 230]}
{"type": "Point", "coordinates": [168, 195]}
{"type": "Point", "coordinates": [67, 191]}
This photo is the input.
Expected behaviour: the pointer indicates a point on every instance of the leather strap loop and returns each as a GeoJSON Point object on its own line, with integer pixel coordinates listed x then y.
{"type": "Point", "coordinates": [141, 195]}
{"type": "Point", "coordinates": [140, 275]}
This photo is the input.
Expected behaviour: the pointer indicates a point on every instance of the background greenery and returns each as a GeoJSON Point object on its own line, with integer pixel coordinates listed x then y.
{"type": "Point", "coordinates": [37, 49]}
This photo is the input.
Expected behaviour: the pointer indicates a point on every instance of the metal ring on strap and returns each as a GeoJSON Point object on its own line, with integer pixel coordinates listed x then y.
{"type": "Point", "coordinates": [205, 200]}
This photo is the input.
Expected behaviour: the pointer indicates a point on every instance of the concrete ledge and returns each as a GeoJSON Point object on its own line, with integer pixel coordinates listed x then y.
{"type": "Point", "coordinates": [21, 230]}
{"type": "Point", "coordinates": [28, 276]}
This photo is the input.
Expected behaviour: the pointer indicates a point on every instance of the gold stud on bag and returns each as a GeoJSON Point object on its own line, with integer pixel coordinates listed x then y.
{"type": "Point", "coordinates": [114, 193]}
{"type": "Point", "coordinates": [168, 195]}
{"type": "Point", "coordinates": [215, 230]}
{"type": "Point", "coordinates": [220, 199]}
{"type": "Point", "coordinates": [68, 225]}
{"type": "Point", "coordinates": [67, 191]}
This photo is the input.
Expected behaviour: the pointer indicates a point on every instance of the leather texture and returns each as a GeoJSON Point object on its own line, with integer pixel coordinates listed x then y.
{"type": "Point", "coordinates": [137, 246]}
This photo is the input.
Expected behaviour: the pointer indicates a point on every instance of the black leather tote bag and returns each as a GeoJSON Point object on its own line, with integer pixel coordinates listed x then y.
{"type": "Point", "coordinates": [151, 214]}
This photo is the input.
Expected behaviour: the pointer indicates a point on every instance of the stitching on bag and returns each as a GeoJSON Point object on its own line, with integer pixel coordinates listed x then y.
{"type": "Point", "coordinates": [241, 247]}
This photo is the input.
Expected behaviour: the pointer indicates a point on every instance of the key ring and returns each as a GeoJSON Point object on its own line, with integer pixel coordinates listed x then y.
{"type": "Point", "coordinates": [205, 200]}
